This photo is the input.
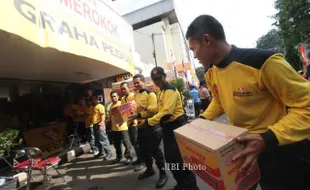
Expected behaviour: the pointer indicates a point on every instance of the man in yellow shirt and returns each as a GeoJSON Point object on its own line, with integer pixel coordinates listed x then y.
{"type": "Point", "coordinates": [89, 127]}
{"type": "Point", "coordinates": [132, 126]}
{"type": "Point", "coordinates": [97, 127]}
{"type": "Point", "coordinates": [170, 116]}
{"type": "Point", "coordinates": [79, 114]}
{"type": "Point", "coordinates": [120, 133]}
{"type": "Point", "coordinates": [149, 137]}
{"type": "Point", "coordinates": [260, 91]}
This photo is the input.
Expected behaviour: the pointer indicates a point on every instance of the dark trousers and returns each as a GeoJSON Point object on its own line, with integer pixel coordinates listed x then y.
{"type": "Point", "coordinates": [204, 104]}
{"type": "Point", "coordinates": [98, 140]}
{"type": "Point", "coordinates": [197, 106]}
{"type": "Point", "coordinates": [119, 137]}
{"type": "Point", "coordinates": [150, 139]}
{"type": "Point", "coordinates": [286, 167]}
{"type": "Point", "coordinates": [133, 134]}
{"type": "Point", "coordinates": [81, 129]}
{"type": "Point", "coordinates": [184, 177]}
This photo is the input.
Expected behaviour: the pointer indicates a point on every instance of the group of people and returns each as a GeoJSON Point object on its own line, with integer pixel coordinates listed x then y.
{"type": "Point", "coordinates": [201, 97]}
{"type": "Point", "coordinates": [257, 89]}
{"type": "Point", "coordinates": [155, 119]}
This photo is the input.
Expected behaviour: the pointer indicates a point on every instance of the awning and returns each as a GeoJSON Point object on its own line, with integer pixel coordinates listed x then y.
{"type": "Point", "coordinates": [63, 40]}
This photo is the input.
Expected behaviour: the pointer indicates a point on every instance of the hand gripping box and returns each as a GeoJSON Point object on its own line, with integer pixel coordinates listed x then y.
{"type": "Point", "coordinates": [123, 112]}
{"type": "Point", "coordinates": [207, 148]}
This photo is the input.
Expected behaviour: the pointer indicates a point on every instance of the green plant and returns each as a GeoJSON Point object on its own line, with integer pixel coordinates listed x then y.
{"type": "Point", "coordinates": [179, 84]}
{"type": "Point", "coordinates": [8, 139]}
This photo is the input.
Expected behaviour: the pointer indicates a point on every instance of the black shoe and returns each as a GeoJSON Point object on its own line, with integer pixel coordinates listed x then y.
{"type": "Point", "coordinates": [137, 162]}
{"type": "Point", "coordinates": [163, 178]}
{"type": "Point", "coordinates": [117, 160]}
{"type": "Point", "coordinates": [128, 161]}
{"type": "Point", "coordinates": [98, 155]}
{"type": "Point", "coordinates": [108, 156]}
{"type": "Point", "coordinates": [146, 174]}
{"type": "Point", "coordinates": [139, 168]}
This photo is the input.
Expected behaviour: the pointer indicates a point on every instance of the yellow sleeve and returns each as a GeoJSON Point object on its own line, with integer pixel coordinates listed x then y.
{"type": "Point", "coordinates": [152, 108]}
{"type": "Point", "coordinates": [123, 100]}
{"type": "Point", "coordinates": [215, 108]}
{"type": "Point", "coordinates": [101, 110]}
{"type": "Point", "coordinates": [169, 104]}
{"type": "Point", "coordinates": [284, 83]}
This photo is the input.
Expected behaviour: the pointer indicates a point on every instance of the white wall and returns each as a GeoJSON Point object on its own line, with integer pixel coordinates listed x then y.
{"type": "Point", "coordinates": [178, 44]}
{"type": "Point", "coordinates": [167, 37]}
{"type": "Point", "coordinates": [144, 45]}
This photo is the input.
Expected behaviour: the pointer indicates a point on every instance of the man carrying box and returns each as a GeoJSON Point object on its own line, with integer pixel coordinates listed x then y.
{"type": "Point", "coordinates": [259, 91]}
{"type": "Point", "coordinates": [149, 137]}
{"type": "Point", "coordinates": [170, 116]}
{"type": "Point", "coordinates": [132, 126]}
{"type": "Point", "coordinates": [120, 133]}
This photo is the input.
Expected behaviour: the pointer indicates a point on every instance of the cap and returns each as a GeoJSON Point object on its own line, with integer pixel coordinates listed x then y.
{"type": "Point", "coordinates": [157, 73]}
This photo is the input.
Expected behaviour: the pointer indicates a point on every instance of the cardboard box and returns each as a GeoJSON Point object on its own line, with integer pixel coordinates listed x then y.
{"type": "Point", "coordinates": [122, 113]}
{"type": "Point", "coordinates": [207, 148]}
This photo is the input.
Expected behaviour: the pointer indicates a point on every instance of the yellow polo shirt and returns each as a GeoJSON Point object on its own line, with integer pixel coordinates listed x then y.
{"type": "Point", "coordinates": [124, 126]}
{"type": "Point", "coordinates": [98, 111]}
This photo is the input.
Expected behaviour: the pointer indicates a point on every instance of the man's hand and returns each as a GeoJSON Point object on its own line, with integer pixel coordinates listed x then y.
{"type": "Point", "coordinates": [101, 126]}
{"type": "Point", "coordinates": [132, 117]}
{"type": "Point", "coordinates": [117, 125]}
{"type": "Point", "coordinates": [209, 98]}
{"type": "Point", "coordinates": [141, 108]}
{"type": "Point", "coordinates": [254, 146]}
{"type": "Point", "coordinates": [142, 123]}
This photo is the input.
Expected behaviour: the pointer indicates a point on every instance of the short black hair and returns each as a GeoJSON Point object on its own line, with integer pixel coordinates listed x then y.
{"type": "Point", "coordinates": [139, 76]}
{"type": "Point", "coordinates": [202, 82]}
{"type": "Point", "coordinates": [205, 24]}
{"type": "Point", "coordinates": [124, 83]}
{"type": "Point", "coordinates": [158, 73]}
{"type": "Point", "coordinates": [113, 92]}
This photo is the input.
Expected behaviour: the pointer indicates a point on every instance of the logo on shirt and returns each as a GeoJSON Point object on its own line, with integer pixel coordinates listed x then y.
{"type": "Point", "coordinates": [215, 88]}
{"type": "Point", "coordinates": [242, 93]}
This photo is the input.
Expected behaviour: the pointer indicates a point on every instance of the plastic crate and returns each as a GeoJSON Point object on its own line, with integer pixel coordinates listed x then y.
{"type": "Point", "coordinates": [9, 184]}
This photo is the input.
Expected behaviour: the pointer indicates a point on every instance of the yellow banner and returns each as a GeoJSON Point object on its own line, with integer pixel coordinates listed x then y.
{"type": "Point", "coordinates": [49, 139]}
{"type": "Point", "coordinates": [87, 28]}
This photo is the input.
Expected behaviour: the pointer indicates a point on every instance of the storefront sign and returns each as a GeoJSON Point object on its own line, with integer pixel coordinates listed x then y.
{"type": "Point", "coordinates": [123, 77]}
{"type": "Point", "coordinates": [49, 139]}
{"type": "Point", "coordinates": [87, 28]}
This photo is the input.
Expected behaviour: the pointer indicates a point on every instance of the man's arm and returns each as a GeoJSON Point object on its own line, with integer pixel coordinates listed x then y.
{"type": "Point", "coordinates": [287, 86]}
{"type": "Point", "coordinates": [101, 111]}
{"type": "Point", "coordinates": [169, 104]}
{"type": "Point", "coordinates": [152, 107]}
{"type": "Point", "coordinates": [206, 91]}
{"type": "Point", "coordinates": [215, 108]}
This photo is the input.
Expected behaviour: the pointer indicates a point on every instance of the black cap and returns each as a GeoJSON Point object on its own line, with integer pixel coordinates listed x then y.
{"type": "Point", "coordinates": [157, 73]}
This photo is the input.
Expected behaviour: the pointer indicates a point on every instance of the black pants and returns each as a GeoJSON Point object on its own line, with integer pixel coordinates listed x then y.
{"type": "Point", "coordinates": [184, 177]}
{"type": "Point", "coordinates": [197, 108]}
{"type": "Point", "coordinates": [204, 104]}
{"type": "Point", "coordinates": [119, 137]}
{"type": "Point", "coordinates": [150, 139]}
{"type": "Point", "coordinates": [133, 134]}
{"type": "Point", "coordinates": [286, 167]}
{"type": "Point", "coordinates": [82, 132]}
